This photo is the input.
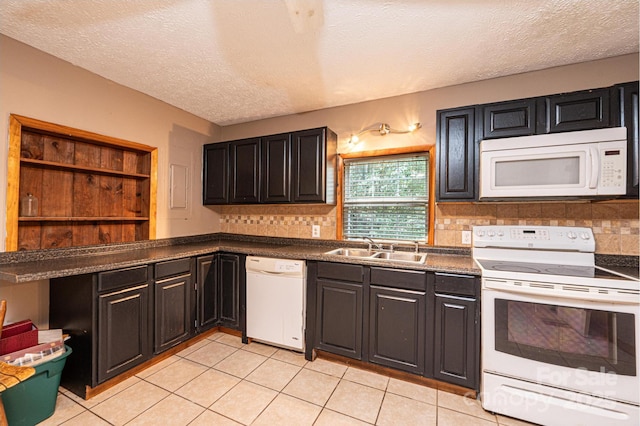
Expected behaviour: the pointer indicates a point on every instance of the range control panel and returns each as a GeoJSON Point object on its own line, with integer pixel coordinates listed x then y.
{"type": "Point", "coordinates": [535, 237]}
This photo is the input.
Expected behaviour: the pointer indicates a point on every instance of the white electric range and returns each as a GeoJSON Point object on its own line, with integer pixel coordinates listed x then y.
{"type": "Point", "coordinates": [560, 335]}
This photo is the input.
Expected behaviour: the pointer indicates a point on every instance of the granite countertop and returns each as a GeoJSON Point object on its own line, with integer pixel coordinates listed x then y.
{"type": "Point", "coordinates": [17, 267]}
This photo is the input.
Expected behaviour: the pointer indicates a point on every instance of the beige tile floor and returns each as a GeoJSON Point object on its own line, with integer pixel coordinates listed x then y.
{"type": "Point", "coordinates": [220, 381]}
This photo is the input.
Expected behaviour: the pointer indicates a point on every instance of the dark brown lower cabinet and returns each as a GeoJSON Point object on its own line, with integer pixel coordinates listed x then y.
{"type": "Point", "coordinates": [173, 290]}
{"type": "Point", "coordinates": [397, 328]}
{"type": "Point", "coordinates": [456, 329]}
{"type": "Point", "coordinates": [123, 330]}
{"type": "Point", "coordinates": [339, 318]}
{"type": "Point", "coordinates": [207, 289]}
{"type": "Point", "coordinates": [229, 284]}
{"type": "Point", "coordinates": [420, 322]}
{"type": "Point", "coordinates": [109, 318]}
{"type": "Point", "coordinates": [220, 291]}
{"type": "Point", "coordinates": [172, 312]}
{"type": "Point", "coordinates": [120, 319]}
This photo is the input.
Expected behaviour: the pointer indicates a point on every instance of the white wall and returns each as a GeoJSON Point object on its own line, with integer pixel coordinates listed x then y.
{"type": "Point", "coordinates": [40, 86]}
{"type": "Point", "coordinates": [37, 85]}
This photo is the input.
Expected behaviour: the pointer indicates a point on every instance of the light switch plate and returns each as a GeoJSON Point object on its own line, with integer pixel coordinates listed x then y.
{"type": "Point", "coordinates": [466, 237]}
{"type": "Point", "coordinates": [315, 231]}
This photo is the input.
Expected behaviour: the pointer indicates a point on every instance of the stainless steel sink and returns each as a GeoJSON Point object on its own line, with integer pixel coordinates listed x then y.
{"type": "Point", "coordinates": [351, 252]}
{"type": "Point", "coordinates": [399, 256]}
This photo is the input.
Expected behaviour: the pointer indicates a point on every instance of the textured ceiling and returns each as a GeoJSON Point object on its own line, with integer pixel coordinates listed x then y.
{"type": "Point", "coordinates": [232, 61]}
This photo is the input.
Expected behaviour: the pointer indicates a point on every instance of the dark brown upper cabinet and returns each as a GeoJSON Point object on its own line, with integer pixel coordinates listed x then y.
{"type": "Point", "coordinates": [627, 95]}
{"type": "Point", "coordinates": [313, 166]}
{"type": "Point", "coordinates": [216, 174]}
{"type": "Point", "coordinates": [460, 130]}
{"type": "Point", "coordinates": [244, 163]}
{"type": "Point", "coordinates": [584, 110]}
{"type": "Point", "coordinates": [457, 154]}
{"type": "Point", "coordinates": [276, 169]}
{"type": "Point", "coordinates": [296, 167]}
{"type": "Point", "coordinates": [507, 119]}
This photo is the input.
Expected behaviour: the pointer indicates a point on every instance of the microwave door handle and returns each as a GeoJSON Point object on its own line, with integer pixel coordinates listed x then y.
{"type": "Point", "coordinates": [595, 167]}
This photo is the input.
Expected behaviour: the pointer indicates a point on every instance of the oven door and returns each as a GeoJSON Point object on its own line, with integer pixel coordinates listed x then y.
{"type": "Point", "coordinates": [562, 341]}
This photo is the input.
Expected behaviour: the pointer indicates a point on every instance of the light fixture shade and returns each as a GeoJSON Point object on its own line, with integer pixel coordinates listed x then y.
{"type": "Point", "coordinates": [384, 129]}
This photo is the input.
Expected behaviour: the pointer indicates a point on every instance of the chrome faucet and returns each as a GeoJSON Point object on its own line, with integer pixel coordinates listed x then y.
{"type": "Point", "coordinates": [372, 243]}
{"type": "Point", "coordinates": [416, 246]}
{"type": "Point", "coordinates": [378, 246]}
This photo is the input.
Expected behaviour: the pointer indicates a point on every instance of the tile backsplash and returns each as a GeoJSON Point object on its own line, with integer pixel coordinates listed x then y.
{"type": "Point", "coordinates": [616, 225]}
{"type": "Point", "coordinates": [279, 221]}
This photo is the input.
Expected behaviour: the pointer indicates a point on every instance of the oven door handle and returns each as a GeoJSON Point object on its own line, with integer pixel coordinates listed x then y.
{"type": "Point", "coordinates": [561, 290]}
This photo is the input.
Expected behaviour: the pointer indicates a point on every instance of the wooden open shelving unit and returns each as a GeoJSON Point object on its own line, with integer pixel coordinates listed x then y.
{"type": "Point", "coordinates": [91, 189]}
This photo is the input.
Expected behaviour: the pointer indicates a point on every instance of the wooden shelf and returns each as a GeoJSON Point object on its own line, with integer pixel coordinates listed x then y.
{"type": "Point", "coordinates": [72, 167]}
{"type": "Point", "coordinates": [91, 189]}
{"type": "Point", "coordinates": [82, 219]}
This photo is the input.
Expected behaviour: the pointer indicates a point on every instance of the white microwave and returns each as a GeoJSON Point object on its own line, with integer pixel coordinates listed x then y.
{"type": "Point", "coordinates": [587, 163]}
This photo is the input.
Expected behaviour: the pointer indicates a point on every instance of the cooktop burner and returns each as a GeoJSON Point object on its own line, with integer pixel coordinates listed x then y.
{"type": "Point", "coordinates": [546, 269]}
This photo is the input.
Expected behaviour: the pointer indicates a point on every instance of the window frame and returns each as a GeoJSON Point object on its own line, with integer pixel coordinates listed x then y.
{"type": "Point", "coordinates": [420, 149]}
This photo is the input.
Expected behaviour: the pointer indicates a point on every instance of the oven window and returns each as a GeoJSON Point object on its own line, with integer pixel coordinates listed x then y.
{"type": "Point", "coordinates": [566, 171]}
{"type": "Point", "coordinates": [571, 337]}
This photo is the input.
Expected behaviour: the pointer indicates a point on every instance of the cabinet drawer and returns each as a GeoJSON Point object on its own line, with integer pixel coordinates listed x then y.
{"type": "Point", "coordinates": [172, 267]}
{"type": "Point", "coordinates": [122, 278]}
{"type": "Point", "coordinates": [461, 285]}
{"type": "Point", "coordinates": [341, 271]}
{"type": "Point", "coordinates": [399, 278]}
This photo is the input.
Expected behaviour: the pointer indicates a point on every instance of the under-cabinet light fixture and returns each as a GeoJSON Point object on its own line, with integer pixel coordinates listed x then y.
{"type": "Point", "coordinates": [384, 129]}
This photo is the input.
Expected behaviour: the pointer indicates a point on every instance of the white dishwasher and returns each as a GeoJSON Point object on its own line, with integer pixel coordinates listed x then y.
{"type": "Point", "coordinates": [276, 301]}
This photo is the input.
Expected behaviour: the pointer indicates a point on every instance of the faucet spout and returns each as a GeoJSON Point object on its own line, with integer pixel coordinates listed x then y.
{"type": "Point", "coordinates": [372, 243]}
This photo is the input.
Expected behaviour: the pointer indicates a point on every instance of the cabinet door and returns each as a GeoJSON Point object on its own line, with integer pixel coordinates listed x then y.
{"type": "Point", "coordinates": [507, 119]}
{"type": "Point", "coordinates": [172, 311]}
{"type": "Point", "coordinates": [629, 117]}
{"type": "Point", "coordinates": [456, 155]}
{"type": "Point", "coordinates": [123, 331]}
{"type": "Point", "coordinates": [455, 334]}
{"type": "Point", "coordinates": [584, 110]}
{"type": "Point", "coordinates": [276, 169]}
{"type": "Point", "coordinates": [216, 174]}
{"type": "Point", "coordinates": [229, 290]}
{"type": "Point", "coordinates": [397, 328]}
{"type": "Point", "coordinates": [245, 171]}
{"type": "Point", "coordinates": [339, 318]}
{"type": "Point", "coordinates": [207, 294]}
{"type": "Point", "coordinates": [309, 165]}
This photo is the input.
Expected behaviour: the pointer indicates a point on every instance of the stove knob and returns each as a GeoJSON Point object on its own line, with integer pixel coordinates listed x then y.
{"type": "Point", "coordinates": [572, 235]}
{"type": "Point", "coordinates": [491, 233]}
{"type": "Point", "coordinates": [480, 233]}
{"type": "Point", "coordinates": [500, 234]}
{"type": "Point", "coordinates": [585, 236]}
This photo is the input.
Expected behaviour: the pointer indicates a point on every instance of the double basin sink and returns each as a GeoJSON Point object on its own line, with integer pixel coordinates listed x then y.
{"type": "Point", "coordinates": [398, 256]}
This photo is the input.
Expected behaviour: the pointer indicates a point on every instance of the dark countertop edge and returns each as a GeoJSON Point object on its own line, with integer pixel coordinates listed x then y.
{"type": "Point", "coordinates": [46, 254]}
{"type": "Point", "coordinates": [291, 248]}
{"type": "Point", "coordinates": [617, 260]}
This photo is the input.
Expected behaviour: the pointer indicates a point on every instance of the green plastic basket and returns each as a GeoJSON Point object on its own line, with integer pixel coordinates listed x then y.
{"type": "Point", "coordinates": [33, 400]}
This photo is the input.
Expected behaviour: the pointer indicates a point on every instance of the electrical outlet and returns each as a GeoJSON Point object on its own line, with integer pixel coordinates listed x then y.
{"type": "Point", "coordinates": [466, 237]}
{"type": "Point", "coordinates": [315, 231]}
